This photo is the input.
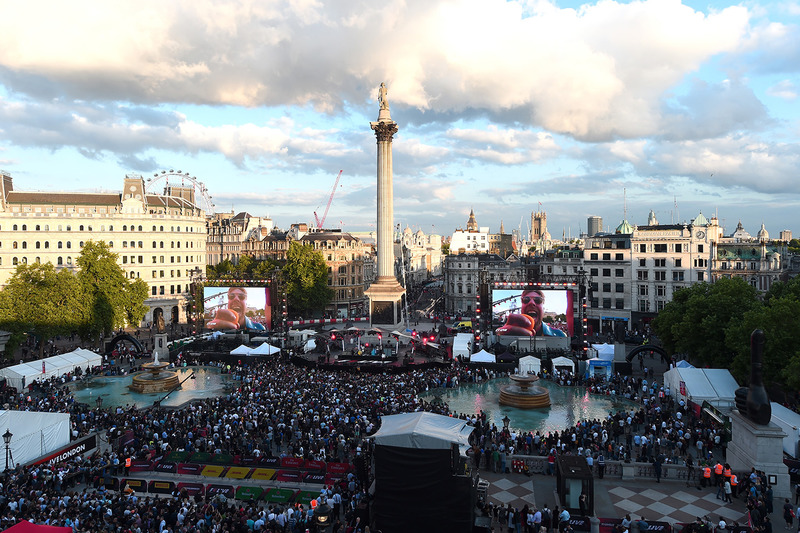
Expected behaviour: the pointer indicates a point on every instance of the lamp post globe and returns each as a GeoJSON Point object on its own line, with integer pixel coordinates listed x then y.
{"type": "Point", "coordinates": [7, 439]}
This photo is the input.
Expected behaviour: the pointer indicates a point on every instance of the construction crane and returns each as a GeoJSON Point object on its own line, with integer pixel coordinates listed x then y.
{"type": "Point", "coordinates": [321, 221]}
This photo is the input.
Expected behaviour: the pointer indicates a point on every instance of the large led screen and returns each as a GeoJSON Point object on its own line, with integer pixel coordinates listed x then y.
{"type": "Point", "coordinates": [243, 308]}
{"type": "Point", "coordinates": [532, 311]}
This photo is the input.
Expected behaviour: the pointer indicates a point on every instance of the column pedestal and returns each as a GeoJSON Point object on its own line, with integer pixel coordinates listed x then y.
{"type": "Point", "coordinates": [160, 347]}
{"type": "Point", "coordinates": [761, 447]}
{"type": "Point", "coordinates": [386, 303]}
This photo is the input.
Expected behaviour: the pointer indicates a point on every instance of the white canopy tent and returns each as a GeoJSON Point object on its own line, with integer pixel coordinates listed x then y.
{"type": "Point", "coordinates": [265, 349]}
{"type": "Point", "coordinates": [35, 433]}
{"type": "Point", "coordinates": [241, 350]}
{"type": "Point", "coordinates": [563, 362]}
{"type": "Point", "coordinates": [482, 357]}
{"type": "Point", "coordinates": [714, 385]}
{"type": "Point", "coordinates": [529, 365]}
{"type": "Point", "coordinates": [422, 430]}
{"type": "Point", "coordinates": [605, 352]}
{"type": "Point", "coordinates": [21, 375]}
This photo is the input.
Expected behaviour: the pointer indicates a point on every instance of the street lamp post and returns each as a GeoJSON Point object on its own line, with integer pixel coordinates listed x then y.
{"type": "Point", "coordinates": [7, 439]}
{"type": "Point", "coordinates": [322, 515]}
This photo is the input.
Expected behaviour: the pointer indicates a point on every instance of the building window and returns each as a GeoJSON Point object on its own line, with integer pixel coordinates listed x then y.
{"type": "Point", "coordinates": [619, 273]}
{"type": "Point", "coordinates": [642, 262]}
{"type": "Point", "coordinates": [593, 271]}
{"type": "Point", "coordinates": [641, 274]}
{"type": "Point", "coordinates": [644, 290]}
{"type": "Point", "coordinates": [677, 276]}
{"type": "Point", "coordinates": [153, 291]}
{"type": "Point", "coordinates": [660, 275]}
{"type": "Point", "coordinates": [660, 263]}
{"type": "Point", "coordinates": [678, 248]}
{"type": "Point", "coordinates": [60, 261]}
{"type": "Point", "coordinates": [606, 257]}
{"type": "Point", "coordinates": [642, 248]}
{"type": "Point", "coordinates": [618, 257]}
{"type": "Point", "coordinates": [619, 304]}
{"type": "Point", "coordinates": [700, 276]}
{"type": "Point", "coordinates": [606, 287]}
{"type": "Point", "coordinates": [606, 303]}
{"type": "Point", "coordinates": [661, 290]}
{"type": "Point", "coordinates": [644, 306]}
{"type": "Point", "coordinates": [619, 287]}
{"type": "Point", "coordinates": [607, 272]}
{"type": "Point", "coordinates": [593, 257]}
{"type": "Point", "coordinates": [700, 248]}
{"type": "Point", "coordinates": [660, 248]}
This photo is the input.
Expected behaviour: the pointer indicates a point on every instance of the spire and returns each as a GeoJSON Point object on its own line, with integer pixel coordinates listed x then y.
{"type": "Point", "coordinates": [502, 229]}
{"type": "Point", "coordinates": [472, 225]}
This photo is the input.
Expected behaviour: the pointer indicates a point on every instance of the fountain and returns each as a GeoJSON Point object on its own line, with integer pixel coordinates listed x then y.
{"type": "Point", "coordinates": [154, 378]}
{"type": "Point", "coordinates": [522, 394]}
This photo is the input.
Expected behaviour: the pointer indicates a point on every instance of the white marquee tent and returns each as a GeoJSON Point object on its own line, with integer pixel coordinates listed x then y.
{"type": "Point", "coordinates": [563, 362]}
{"type": "Point", "coordinates": [241, 350]}
{"type": "Point", "coordinates": [714, 385]}
{"type": "Point", "coordinates": [482, 357]}
{"type": "Point", "coordinates": [529, 365]}
{"type": "Point", "coordinates": [605, 352]}
{"type": "Point", "coordinates": [21, 375]}
{"type": "Point", "coordinates": [265, 349]}
{"type": "Point", "coordinates": [35, 433]}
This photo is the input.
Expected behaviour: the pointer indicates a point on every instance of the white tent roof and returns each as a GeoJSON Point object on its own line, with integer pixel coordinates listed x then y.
{"type": "Point", "coordinates": [310, 344]}
{"type": "Point", "coordinates": [241, 350]}
{"type": "Point", "coordinates": [422, 430]}
{"type": "Point", "coordinates": [35, 433]}
{"type": "Point", "coordinates": [604, 351]}
{"type": "Point", "coordinates": [529, 363]}
{"type": "Point", "coordinates": [21, 375]}
{"type": "Point", "coordinates": [702, 383]}
{"type": "Point", "coordinates": [563, 361]}
{"type": "Point", "coordinates": [265, 349]}
{"type": "Point", "coordinates": [482, 357]}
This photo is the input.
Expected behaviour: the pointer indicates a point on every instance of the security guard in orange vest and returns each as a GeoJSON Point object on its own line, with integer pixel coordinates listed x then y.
{"type": "Point", "coordinates": [128, 462]}
{"type": "Point", "coordinates": [727, 472]}
{"type": "Point", "coordinates": [718, 473]}
{"type": "Point", "coordinates": [706, 476]}
{"type": "Point", "coordinates": [734, 482]}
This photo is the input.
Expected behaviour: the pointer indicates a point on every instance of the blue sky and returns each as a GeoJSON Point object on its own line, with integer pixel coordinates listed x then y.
{"type": "Point", "coordinates": [500, 105]}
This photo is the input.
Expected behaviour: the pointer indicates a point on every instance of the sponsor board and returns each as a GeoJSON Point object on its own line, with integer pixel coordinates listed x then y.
{"type": "Point", "coordinates": [79, 447]}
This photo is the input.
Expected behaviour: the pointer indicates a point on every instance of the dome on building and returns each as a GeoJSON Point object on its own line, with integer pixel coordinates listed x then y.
{"type": "Point", "coordinates": [651, 219]}
{"type": "Point", "coordinates": [740, 235]}
{"type": "Point", "coordinates": [700, 220]}
{"type": "Point", "coordinates": [763, 234]}
{"type": "Point", "coordinates": [624, 227]}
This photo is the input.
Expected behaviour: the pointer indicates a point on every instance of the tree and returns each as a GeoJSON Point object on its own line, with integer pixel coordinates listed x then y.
{"type": "Point", "coordinates": [696, 319]}
{"type": "Point", "coordinates": [113, 300]}
{"type": "Point", "coordinates": [306, 277]}
{"type": "Point", "coordinates": [42, 301]}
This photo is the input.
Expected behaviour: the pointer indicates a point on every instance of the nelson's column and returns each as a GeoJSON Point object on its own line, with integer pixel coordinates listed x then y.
{"type": "Point", "coordinates": [385, 294]}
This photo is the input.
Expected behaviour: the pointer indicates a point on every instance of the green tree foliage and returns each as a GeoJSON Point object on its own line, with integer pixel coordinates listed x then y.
{"type": "Point", "coordinates": [42, 301]}
{"type": "Point", "coordinates": [697, 317]}
{"type": "Point", "coordinates": [306, 277]}
{"type": "Point", "coordinates": [713, 324]}
{"type": "Point", "coordinates": [794, 246]}
{"type": "Point", "coordinates": [113, 300]}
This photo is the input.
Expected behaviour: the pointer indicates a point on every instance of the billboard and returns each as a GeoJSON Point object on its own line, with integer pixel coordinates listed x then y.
{"type": "Point", "coordinates": [532, 311]}
{"type": "Point", "coordinates": [242, 308]}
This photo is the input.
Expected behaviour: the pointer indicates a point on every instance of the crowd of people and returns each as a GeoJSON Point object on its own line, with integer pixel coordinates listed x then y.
{"type": "Point", "coordinates": [276, 409]}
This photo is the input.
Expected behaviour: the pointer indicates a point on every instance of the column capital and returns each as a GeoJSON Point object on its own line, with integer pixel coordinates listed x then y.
{"type": "Point", "coordinates": [384, 130]}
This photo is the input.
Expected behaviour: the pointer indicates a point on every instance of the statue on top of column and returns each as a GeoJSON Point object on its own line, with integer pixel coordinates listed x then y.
{"type": "Point", "coordinates": [382, 99]}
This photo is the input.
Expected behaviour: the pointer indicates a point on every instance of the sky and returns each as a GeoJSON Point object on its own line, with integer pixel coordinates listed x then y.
{"type": "Point", "coordinates": [505, 107]}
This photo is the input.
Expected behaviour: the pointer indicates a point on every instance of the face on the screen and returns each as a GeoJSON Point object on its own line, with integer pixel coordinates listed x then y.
{"type": "Point", "coordinates": [533, 305]}
{"type": "Point", "coordinates": [237, 301]}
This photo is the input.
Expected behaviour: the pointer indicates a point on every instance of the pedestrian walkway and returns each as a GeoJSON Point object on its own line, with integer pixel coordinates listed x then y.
{"type": "Point", "coordinates": [669, 501]}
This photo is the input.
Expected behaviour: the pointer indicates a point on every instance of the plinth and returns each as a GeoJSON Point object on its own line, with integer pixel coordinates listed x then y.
{"type": "Point", "coordinates": [160, 350]}
{"type": "Point", "coordinates": [761, 447]}
{"type": "Point", "coordinates": [523, 394]}
{"type": "Point", "coordinates": [385, 303]}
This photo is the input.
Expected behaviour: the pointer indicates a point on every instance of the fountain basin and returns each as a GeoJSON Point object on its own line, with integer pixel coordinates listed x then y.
{"type": "Point", "coordinates": [523, 394]}
{"type": "Point", "coordinates": [154, 378]}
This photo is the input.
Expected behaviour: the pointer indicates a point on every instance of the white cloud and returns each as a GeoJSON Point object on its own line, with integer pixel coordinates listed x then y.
{"type": "Point", "coordinates": [594, 73]}
{"type": "Point", "coordinates": [785, 90]}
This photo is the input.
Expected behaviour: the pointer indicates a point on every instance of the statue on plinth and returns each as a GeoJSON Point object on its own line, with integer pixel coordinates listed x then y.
{"type": "Point", "coordinates": [382, 99]}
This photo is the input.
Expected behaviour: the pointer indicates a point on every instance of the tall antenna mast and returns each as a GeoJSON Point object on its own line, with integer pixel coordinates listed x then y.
{"type": "Point", "coordinates": [675, 215]}
{"type": "Point", "coordinates": [624, 203]}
